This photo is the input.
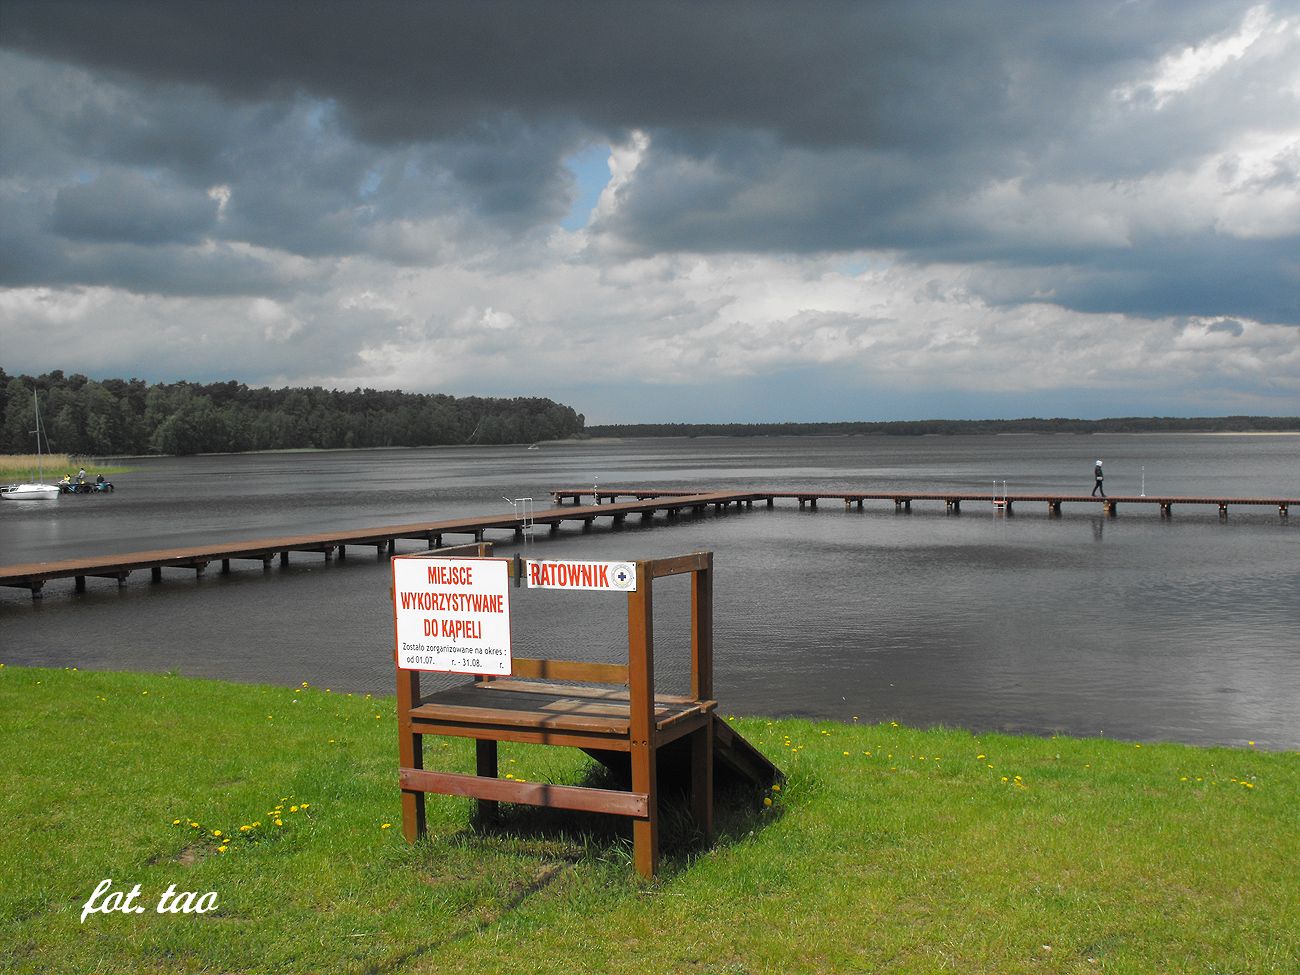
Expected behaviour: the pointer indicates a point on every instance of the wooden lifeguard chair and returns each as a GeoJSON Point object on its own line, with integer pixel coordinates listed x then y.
{"type": "Point", "coordinates": [620, 721]}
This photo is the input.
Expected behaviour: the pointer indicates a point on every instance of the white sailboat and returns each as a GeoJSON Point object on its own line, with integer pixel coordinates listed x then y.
{"type": "Point", "coordinates": [38, 491]}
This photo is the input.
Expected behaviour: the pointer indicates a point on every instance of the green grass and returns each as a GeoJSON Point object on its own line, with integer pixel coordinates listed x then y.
{"type": "Point", "coordinates": [889, 849]}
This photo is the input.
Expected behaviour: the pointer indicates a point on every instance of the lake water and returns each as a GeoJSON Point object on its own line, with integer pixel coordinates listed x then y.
{"type": "Point", "coordinates": [1132, 627]}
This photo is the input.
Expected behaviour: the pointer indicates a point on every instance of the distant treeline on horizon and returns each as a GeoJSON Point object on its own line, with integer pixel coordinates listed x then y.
{"type": "Point", "coordinates": [913, 428]}
{"type": "Point", "coordinates": [118, 417]}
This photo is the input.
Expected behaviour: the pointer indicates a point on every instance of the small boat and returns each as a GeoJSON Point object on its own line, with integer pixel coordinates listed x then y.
{"type": "Point", "coordinates": [97, 486]}
{"type": "Point", "coordinates": [29, 492]}
{"type": "Point", "coordinates": [38, 491]}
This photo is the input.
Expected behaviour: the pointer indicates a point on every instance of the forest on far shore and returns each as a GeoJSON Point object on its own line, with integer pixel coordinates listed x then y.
{"type": "Point", "coordinates": [116, 417]}
{"type": "Point", "coordinates": [917, 428]}
{"type": "Point", "coordinates": [119, 417]}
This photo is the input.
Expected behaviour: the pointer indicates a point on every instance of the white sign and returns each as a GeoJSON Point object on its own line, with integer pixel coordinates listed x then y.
{"type": "Point", "coordinates": [453, 615]}
{"type": "Point", "coordinates": [604, 576]}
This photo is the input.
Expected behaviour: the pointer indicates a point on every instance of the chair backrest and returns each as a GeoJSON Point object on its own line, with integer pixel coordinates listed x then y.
{"type": "Point", "coordinates": [638, 672]}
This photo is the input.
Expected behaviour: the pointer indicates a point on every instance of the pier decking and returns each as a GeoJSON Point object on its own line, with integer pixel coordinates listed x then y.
{"type": "Point", "coordinates": [644, 502]}
{"type": "Point", "coordinates": [198, 558]}
{"type": "Point", "coordinates": [952, 500]}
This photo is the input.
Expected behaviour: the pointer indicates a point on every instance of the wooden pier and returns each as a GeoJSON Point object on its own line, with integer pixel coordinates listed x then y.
{"type": "Point", "coordinates": [329, 545]}
{"type": "Point", "coordinates": [952, 500]}
{"type": "Point", "coordinates": [643, 502]}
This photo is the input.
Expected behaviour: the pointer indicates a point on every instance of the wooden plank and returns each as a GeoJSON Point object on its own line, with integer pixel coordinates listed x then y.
{"type": "Point", "coordinates": [702, 631]}
{"type": "Point", "coordinates": [541, 669]}
{"type": "Point", "coordinates": [525, 736]}
{"type": "Point", "coordinates": [485, 767]}
{"type": "Point", "coordinates": [604, 693]}
{"type": "Point", "coordinates": [679, 564]}
{"type": "Point", "coordinates": [641, 672]}
{"type": "Point", "coordinates": [577, 798]}
{"type": "Point", "coordinates": [410, 753]}
{"type": "Point", "coordinates": [688, 725]}
{"type": "Point", "coordinates": [702, 780]}
{"type": "Point", "coordinates": [471, 715]}
{"type": "Point", "coordinates": [665, 721]}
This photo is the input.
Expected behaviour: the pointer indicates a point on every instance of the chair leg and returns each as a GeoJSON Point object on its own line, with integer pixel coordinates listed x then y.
{"type": "Point", "coordinates": [485, 766]}
{"type": "Point", "coordinates": [413, 816]}
{"type": "Point", "coordinates": [702, 780]}
{"type": "Point", "coordinates": [645, 832]}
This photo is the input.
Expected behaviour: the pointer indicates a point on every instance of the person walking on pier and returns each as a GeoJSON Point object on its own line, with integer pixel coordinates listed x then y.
{"type": "Point", "coordinates": [1098, 476]}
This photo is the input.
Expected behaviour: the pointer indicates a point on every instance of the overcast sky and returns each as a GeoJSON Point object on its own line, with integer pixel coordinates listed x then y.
{"type": "Point", "coordinates": [663, 211]}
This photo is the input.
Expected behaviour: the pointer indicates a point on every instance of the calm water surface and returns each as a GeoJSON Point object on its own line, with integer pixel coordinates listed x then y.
{"type": "Point", "coordinates": [1132, 627]}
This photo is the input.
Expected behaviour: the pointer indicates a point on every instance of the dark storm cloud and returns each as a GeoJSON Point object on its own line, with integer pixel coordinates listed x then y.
{"type": "Point", "coordinates": [325, 130]}
{"type": "Point", "coordinates": [132, 208]}
{"type": "Point", "coordinates": [838, 73]}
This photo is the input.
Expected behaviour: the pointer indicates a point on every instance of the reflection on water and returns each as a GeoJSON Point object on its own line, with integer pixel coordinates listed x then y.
{"type": "Point", "coordinates": [1134, 626]}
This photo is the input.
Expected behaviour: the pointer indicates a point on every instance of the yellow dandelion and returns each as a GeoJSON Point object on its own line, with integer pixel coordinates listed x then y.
{"type": "Point", "coordinates": [279, 822]}
{"type": "Point", "coordinates": [776, 787]}
{"type": "Point", "coordinates": [221, 849]}
{"type": "Point", "coordinates": [293, 809]}
{"type": "Point", "coordinates": [978, 757]}
{"type": "Point", "coordinates": [176, 822]}
{"type": "Point", "coordinates": [304, 805]}
{"type": "Point", "coordinates": [305, 684]}
{"type": "Point", "coordinates": [386, 826]}
{"type": "Point", "coordinates": [245, 829]}
{"type": "Point", "coordinates": [216, 832]}
{"type": "Point", "coordinates": [767, 800]}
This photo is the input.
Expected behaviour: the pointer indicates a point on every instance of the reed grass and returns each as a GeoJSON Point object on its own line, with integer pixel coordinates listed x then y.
{"type": "Point", "coordinates": [889, 849]}
{"type": "Point", "coordinates": [20, 467]}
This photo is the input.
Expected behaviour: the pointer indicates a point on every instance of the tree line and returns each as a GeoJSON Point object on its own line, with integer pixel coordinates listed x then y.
{"type": "Point", "coordinates": [916, 428]}
{"type": "Point", "coordinates": [115, 417]}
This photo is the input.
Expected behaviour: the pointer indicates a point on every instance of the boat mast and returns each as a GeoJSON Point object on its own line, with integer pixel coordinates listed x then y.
{"type": "Point", "coordinates": [40, 466]}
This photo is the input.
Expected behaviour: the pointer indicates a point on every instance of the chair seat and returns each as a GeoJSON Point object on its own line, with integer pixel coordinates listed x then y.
{"type": "Point", "coordinates": [537, 706]}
